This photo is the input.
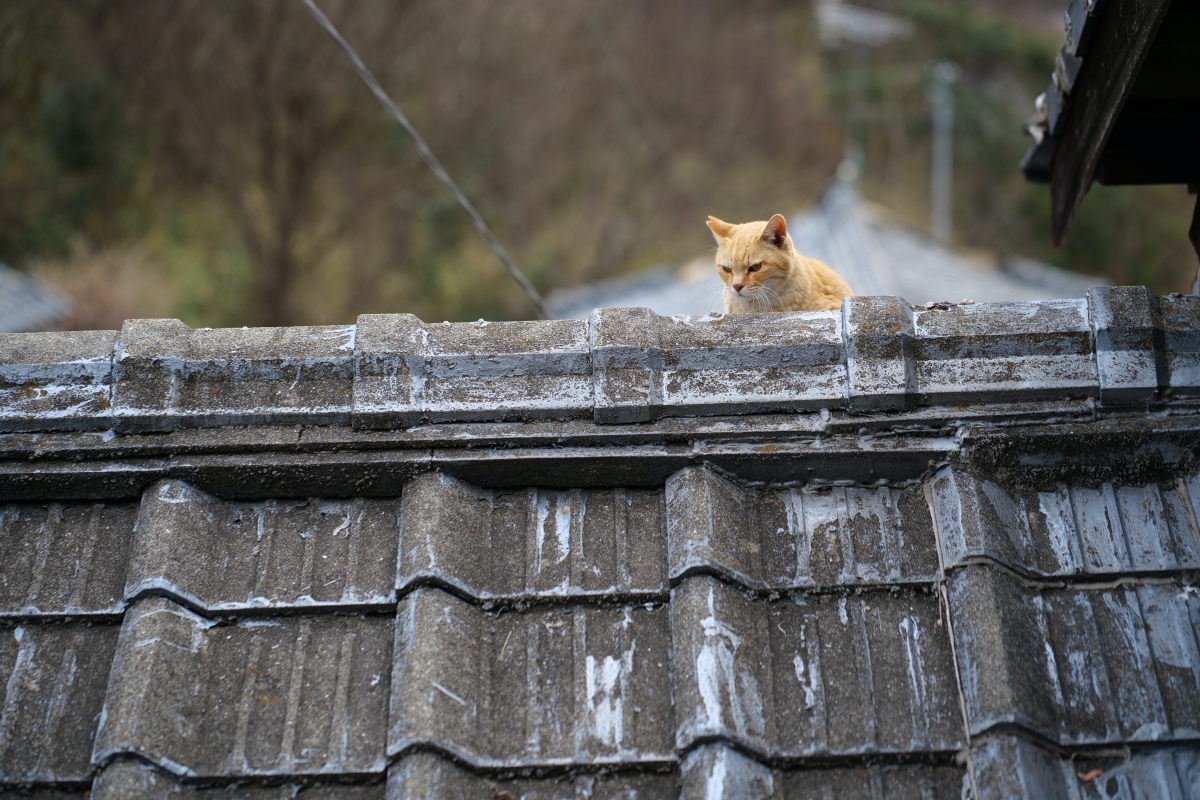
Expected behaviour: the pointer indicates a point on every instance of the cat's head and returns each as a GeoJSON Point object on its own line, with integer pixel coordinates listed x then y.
{"type": "Point", "coordinates": [754, 257]}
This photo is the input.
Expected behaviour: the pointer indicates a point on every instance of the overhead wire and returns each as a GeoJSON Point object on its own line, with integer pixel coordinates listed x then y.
{"type": "Point", "coordinates": [431, 160]}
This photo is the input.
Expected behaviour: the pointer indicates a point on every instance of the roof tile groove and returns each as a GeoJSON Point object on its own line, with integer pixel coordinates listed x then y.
{"type": "Point", "coordinates": [167, 375]}
{"type": "Point", "coordinates": [621, 366]}
{"type": "Point", "coordinates": [720, 771]}
{"type": "Point", "coordinates": [426, 775]}
{"type": "Point", "coordinates": [533, 543]}
{"type": "Point", "coordinates": [1011, 767]}
{"type": "Point", "coordinates": [129, 779]}
{"type": "Point", "coordinates": [551, 686]}
{"type": "Point", "coordinates": [407, 371]}
{"type": "Point", "coordinates": [295, 695]}
{"type": "Point", "coordinates": [1068, 532]}
{"type": "Point", "coordinates": [790, 538]}
{"type": "Point", "coordinates": [812, 677]}
{"type": "Point", "coordinates": [54, 677]}
{"type": "Point", "coordinates": [64, 558]}
{"type": "Point", "coordinates": [224, 556]}
{"type": "Point", "coordinates": [1078, 666]}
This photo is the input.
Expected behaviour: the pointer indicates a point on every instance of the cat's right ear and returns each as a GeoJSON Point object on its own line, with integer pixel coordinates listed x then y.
{"type": "Point", "coordinates": [721, 230]}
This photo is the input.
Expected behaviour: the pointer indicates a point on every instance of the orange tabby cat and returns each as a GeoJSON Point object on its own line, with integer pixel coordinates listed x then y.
{"type": "Point", "coordinates": [763, 272]}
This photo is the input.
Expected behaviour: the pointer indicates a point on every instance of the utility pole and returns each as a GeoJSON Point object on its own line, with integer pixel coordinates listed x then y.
{"type": "Point", "coordinates": [941, 172]}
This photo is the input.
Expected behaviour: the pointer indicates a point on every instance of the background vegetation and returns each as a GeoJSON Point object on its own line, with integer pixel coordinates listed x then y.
{"type": "Point", "coordinates": [221, 162]}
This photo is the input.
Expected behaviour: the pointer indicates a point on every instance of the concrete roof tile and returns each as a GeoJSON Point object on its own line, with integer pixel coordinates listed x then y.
{"type": "Point", "coordinates": [1069, 531]}
{"type": "Point", "coordinates": [427, 775]}
{"type": "Point", "coordinates": [64, 558]}
{"type": "Point", "coordinates": [130, 779]}
{"type": "Point", "coordinates": [1078, 665]}
{"type": "Point", "coordinates": [788, 679]}
{"type": "Point", "coordinates": [646, 366]}
{"type": "Point", "coordinates": [408, 371]}
{"type": "Point", "coordinates": [531, 543]}
{"type": "Point", "coordinates": [549, 686]}
{"type": "Point", "coordinates": [784, 538]}
{"type": "Point", "coordinates": [1008, 766]}
{"type": "Point", "coordinates": [296, 695]}
{"type": "Point", "coordinates": [222, 555]}
{"type": "Point", "coordinates": [167, 375]}
{"type": "Point", "coordinates": [56, 381]}
{"type": "Point", "coordinates": [54, 677]}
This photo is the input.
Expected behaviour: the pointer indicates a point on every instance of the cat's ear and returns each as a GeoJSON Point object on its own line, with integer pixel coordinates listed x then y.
{"type": "Point", "coordinates": [775, 233]}
{"type": "Point", "coordinates": [720, 229]}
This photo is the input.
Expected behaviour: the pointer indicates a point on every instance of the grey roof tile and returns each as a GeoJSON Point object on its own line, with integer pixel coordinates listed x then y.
{"type": "Point", "coordinates": [879, 334]}
{"type": "Point", "coordinates": [718, 771]}
{"type": "Point", "coordinates": [44, 793]}
{"type": "Point", "coordinates": [53, 676]}
{"type": "Point", "coordinates": [1069, 531]}
{"type": "Point", "coordinates": [167, 375]}
{"type": "Point", "coordinates": [551, 686]}
{"type": "Point", "coordinates": [1009, 767]}
{"type": "Point", "coordinates": [1125, 322]}
{"type": "Point", "coordinates": [64, 558]}
{"type": "Point", "coordinates": [1180, 349]}
{"type": "Point", "coordinates": [1078, 665]}
{"type": "Point", "coordinates": [130, 779]}
{"type": "Point", "coordinates": [531, 543]}
{"type": "Point", "coordinates": [56, 381]}
{"type": "Point", "coordinates": [646, 366]}
{"type": "Point", "coordinates": [425, 775]}
{"type": "Point", "coordinates": [786, 538]}
{"type": "Point", "coordinates": [223, 555]}
{"type": "Point", "coordinates": [1006, 351]}
{"type": "Point", "coordinates": [812, 677]}
{"type": "Point", "coordinates": [296, 695]}
{"type": "Point", "coordinates": [408, 371]}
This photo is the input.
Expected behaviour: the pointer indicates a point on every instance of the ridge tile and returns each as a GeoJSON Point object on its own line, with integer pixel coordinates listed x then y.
{"type": "Point", "coordinates": [58, 381]}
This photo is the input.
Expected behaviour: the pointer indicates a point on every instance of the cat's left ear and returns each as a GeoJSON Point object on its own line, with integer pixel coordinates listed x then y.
{"type": "Point", "coordinates": [775, 233]}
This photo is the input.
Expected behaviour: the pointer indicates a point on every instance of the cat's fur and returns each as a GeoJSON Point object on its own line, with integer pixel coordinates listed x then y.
{"type": "Point", "coordinates": [763, 272]}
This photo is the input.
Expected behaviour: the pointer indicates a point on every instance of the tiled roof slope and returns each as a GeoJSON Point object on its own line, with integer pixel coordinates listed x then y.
{"type": "Point", "coordinates": [886, 552]}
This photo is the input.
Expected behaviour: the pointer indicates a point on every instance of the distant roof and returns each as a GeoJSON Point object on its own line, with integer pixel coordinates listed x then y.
{"type": "Point", "coordinates": [883, 551]}
{"type": "Point", "coordinates": [26, 305]}
{"type": "Point", "coordinates": [874, 255]}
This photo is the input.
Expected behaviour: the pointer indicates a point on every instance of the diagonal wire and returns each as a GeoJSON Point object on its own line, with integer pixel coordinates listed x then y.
{"type": "Point", "coordinates": [431, 160]}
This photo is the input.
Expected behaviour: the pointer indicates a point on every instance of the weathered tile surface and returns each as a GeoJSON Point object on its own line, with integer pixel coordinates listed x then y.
{"type": "Point", "coordinates": [646, 366]}
{"type": "Point", "coordinates": [422, 775]}
{"type": "Point", "coordinates": [295, 695]}
{"type": "Point", "coordinates": [531, 543]}
{"type": "Point", "coordinates": [53, 677]}
{"type": "Point", "coordinates": [408, 371]}
{"type": "Point", "coordinates": [1124, 320]}
{"type": "Point", "coordinates": [1069, 531]}
{"type": "Point", "coordinates": [719, 771]}
{"type": "Point", "coordinates": [1079, 665]}
{"type": "Point", "coordinates": [1005, 351]}
{"type": "Point", "coordinates": [786, 538]}
{"type": "Point", "coordinates": [549, 686]}
{"type": "Point", "coordinates": [879, 335]}
{"type": "Point", "coordinates": [130, 779]}
{"type": "Point", "coordinates": [1008, 767]}
{"type": "Point", "coordinates": [167, 375]}
{"type": "Point", "coordinates": [812, 677]}
{"type": "Point", "coordinates": [271, 554]}
{"type": "Point", "coordinates": [64, 558]}
{"type": "Point", "coordinates": [56, 381]}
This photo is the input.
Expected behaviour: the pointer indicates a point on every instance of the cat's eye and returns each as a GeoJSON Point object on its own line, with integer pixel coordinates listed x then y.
{"type": "Point", "coordinates": [755, 267]}
{"type": "Point", "coordinates": [727, 269]}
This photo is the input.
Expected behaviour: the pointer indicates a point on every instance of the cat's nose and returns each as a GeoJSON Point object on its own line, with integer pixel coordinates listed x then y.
{"type": "Point", "coordinates": [737, 287]}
